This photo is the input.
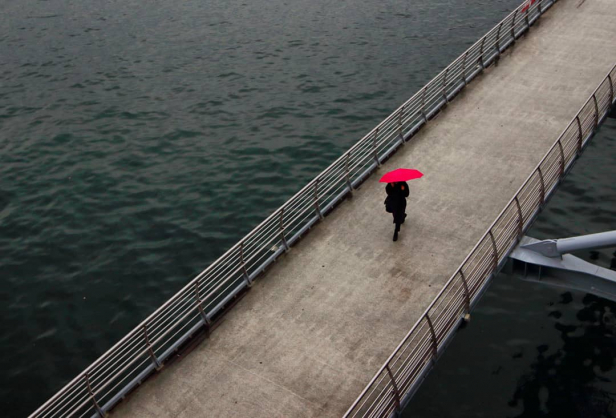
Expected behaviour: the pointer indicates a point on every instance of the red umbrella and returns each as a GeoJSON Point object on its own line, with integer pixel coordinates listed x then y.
{"type": "Point", "coordinates": [401, 174]}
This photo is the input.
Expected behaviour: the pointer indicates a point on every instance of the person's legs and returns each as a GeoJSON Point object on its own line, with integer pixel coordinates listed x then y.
{"type": "Point", "coordinates": [398, 219]}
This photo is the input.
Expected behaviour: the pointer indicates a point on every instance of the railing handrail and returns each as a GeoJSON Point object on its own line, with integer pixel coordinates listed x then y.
{"type": "Point", "coordinates": [339, 179]}
{"type": "Point", "coordinates": [558, 143]}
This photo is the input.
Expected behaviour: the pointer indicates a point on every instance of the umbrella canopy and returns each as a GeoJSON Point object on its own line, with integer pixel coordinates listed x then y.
{"type": "Point", "coordinates": [401, 174]}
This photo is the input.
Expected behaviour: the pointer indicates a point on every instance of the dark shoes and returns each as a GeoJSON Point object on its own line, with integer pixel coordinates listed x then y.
{"type": "Point", "coordinates": [396, 232]}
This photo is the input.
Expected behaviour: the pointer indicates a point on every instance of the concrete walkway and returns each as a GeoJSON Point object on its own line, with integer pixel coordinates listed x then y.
{"type": "Point", "coordinates": [311, 333]}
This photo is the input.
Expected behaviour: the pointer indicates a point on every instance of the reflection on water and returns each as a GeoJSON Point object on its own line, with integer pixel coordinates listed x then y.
{"type": "Point", "coordinates": [570, 382]}
{"type": "Point", "coordinates": [532, 350]}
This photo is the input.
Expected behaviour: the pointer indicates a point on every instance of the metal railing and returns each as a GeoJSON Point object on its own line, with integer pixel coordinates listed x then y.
{"type": "Point", "coordinates": [396, 381]}
{"type": "Point", "coordinates": [145, 349]}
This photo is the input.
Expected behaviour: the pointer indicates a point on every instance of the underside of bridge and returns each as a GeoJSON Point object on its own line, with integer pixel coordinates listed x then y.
{"type": "Point", "coordinates": [312, 331]}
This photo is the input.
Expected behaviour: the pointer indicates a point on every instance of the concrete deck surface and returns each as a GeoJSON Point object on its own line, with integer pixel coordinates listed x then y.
{"type": "Point", "coordinates": [312, 332]}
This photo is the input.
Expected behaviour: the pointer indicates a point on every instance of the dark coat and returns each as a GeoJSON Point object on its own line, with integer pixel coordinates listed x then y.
{"type": "Point", "coordinates": [398, 195]}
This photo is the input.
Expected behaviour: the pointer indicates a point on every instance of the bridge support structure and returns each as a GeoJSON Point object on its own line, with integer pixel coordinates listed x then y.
{"type": "Point", "coordinates": [547, 262]}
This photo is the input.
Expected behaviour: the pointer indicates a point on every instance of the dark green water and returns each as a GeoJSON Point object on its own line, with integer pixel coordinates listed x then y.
{"type": "Point", "coordinates": [536, 351]}
{"type": "Point", "coordinates": [139, 141]}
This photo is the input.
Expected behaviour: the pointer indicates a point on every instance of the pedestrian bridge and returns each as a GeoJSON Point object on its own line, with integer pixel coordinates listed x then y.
{"type": "Point", "coordinates": [317, 312]}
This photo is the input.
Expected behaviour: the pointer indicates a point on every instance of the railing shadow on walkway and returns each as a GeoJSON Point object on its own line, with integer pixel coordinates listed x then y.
{"type": "Point", "coordinates": [196, 307]}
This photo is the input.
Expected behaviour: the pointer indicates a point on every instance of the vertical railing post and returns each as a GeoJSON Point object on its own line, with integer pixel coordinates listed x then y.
{"type": "Point", "coordinates": [539, 7]}
{"type": "Point", "coordinates": [281, 226]}
{"type": "Point", "coordinates": [520, 218]}
{"type": "Point", "coordinates": [542, 185]}
{"type": "Point", "coordinates": [400, 116]}
{"type": "Point", "coordinates": [609, 78]}
{"type": "Point", "coordinates": [374, 147]}
{"type": "Point", "coordinates": [155, 360]}
{"type": "Point", "coordinates": [316, 198]}
{"type": "Point", "coordinates": [423, 104]}
{"type": "Point", "coordinates": [202, 314]}
{"type": "Point", "coordinates": [513, 24]}
{"type": "Point", "coordinates": [444, 88]}
{"type": "Point", "coordinates": [526, 17]}
{"type": "Point", "coordinates": [395, 386]}
{"type": "Point", "coordinates": [464, 67]}
{"type": "Point", "coordinates": [594, 96]}
{"type": "Point", "coordinates": [494, 252]}
{"type": "Point", "coordinates": [433, 335]}
{"type": "Point", "coordinates": [562, 158]}
{"type": "Point", "coordinates": [498, 39]}
{"type": "Point", "coordinates": [467, 292]}
{"type": "Point", "coordinates": [99, 411]}
{"type": "Point", "coordinates": [580, 134]}
{"type": "Point", "coordinates": [243, 263]}
{"type": "Point", "coordinates": [483, 41]}
{"type": "Point", "coordinates": [347, 171]}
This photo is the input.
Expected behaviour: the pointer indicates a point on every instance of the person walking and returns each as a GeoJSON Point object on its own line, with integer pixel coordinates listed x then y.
{"type": "Point", "coordinates": [397, 191]}
{"type": "Point", "coordinates": [396, 203]}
